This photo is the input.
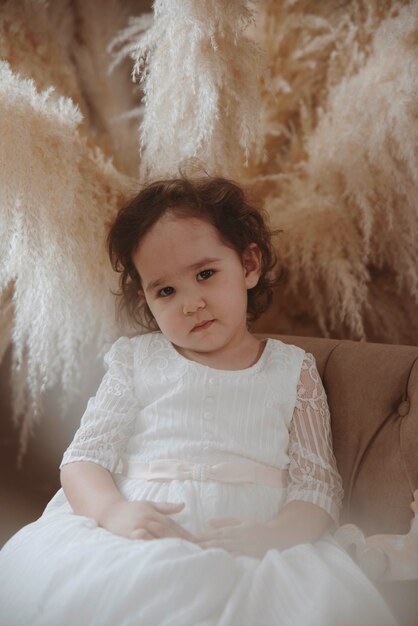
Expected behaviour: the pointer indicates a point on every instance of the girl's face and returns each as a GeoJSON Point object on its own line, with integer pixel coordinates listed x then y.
{"type": "Point", "coordinates": [196, 286]}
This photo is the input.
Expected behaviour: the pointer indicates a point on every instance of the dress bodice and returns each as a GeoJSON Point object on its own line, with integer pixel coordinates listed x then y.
{"type": "Point", "coordinates": [153, 403]}
{"type": "Point", "coordinates": [191, 411]}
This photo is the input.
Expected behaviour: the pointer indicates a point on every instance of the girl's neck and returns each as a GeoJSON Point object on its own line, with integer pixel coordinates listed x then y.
{"type": "Point", "coordinates": [244, 355]}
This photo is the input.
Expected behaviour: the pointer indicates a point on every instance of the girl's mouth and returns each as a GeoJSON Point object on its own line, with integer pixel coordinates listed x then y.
{"type": "Point", "coordinates": [203, 325]}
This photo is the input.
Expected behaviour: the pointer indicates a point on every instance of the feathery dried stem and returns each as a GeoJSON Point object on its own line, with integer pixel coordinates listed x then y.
{"type": "Point", "coordinates": [200, 78]}
{"type": "Point", "coordinates": [56, 196]}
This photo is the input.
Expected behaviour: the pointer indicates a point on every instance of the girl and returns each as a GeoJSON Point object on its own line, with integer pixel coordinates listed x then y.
{"type": "Point", "coordinates": [201, 487]}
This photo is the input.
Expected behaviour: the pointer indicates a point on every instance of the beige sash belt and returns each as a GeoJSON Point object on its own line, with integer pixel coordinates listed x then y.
{"type": "Point", "coordinates": [163, 470]}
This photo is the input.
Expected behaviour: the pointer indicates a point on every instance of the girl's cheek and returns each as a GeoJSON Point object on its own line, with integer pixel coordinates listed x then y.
{"type": "Point", "coordinates": [164, 313]}
{"type": "Point", "coordinates": [155, 310]}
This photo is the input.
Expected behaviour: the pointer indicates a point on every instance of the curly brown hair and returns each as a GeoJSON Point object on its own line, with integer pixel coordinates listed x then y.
{"type": "Point", "coordinates": [219, 201]}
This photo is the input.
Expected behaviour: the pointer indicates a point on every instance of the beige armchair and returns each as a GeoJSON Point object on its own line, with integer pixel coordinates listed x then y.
{"type": "Point", "coordinates": [372, 392]}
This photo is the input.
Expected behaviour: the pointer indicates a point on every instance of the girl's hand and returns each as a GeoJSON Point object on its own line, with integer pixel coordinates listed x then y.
{"type": "Point", "coordinates": [143, 520]}
{"type": "Point", "coordinates": [240, 538]}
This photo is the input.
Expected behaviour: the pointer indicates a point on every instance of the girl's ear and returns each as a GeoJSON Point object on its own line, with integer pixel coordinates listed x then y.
{"type": "Point", "coordinates": [251, 260]}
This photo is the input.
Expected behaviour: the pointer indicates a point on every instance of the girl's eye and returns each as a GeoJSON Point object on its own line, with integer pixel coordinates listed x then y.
{"type": "Point", "coordinates": [205, 274]}
{"type": "Point", "coordinates": [162, 293]}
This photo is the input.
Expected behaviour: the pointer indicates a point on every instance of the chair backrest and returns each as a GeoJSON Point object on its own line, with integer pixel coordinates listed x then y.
{"type": "Point", "coordinates": [372, 392]}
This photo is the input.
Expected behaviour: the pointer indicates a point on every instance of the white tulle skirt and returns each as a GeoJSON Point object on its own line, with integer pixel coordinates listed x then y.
{"type": "Point", "coordinates": [64, 570]}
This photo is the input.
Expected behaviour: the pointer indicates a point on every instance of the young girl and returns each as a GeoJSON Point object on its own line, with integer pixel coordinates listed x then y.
{"type": "Point", "coordinates": [201, 487]}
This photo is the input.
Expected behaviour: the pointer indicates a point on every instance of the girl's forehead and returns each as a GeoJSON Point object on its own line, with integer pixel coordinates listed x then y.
{"type": "Point", "coordinates": [179, 242]}
{"type": "Point", "coordinates": [187, 231]}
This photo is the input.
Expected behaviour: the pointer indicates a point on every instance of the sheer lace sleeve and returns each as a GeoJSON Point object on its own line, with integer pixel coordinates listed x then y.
{"type": "Point", "coordinates": [313, 474]}
{"type": "Point", "coordinates": [108, 420]}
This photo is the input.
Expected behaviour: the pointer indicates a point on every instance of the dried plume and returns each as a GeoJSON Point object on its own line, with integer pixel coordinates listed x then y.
{"type": "Point", "coordinates": [340, 176]}
{"type": "Point", "coordinates": [56, 196]}
{"type": "Point", "coordinates": [199, 74]}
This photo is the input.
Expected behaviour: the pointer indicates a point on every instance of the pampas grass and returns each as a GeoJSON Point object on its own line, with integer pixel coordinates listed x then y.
{"type": "Point", "coordinates": [6, 319]}
{"type": "Point", "coordinates": [347, 193]}
{"type": "Point", "coordinates": [56, 196]}
{"type": "Point", "coordinates": [109, 95]}
{"type": "Point", "coordinates": [63, 44]}
{"type": "Point", "coordinates": [200, 80]}
{"type": "Point", "coordinates": [36, 41]}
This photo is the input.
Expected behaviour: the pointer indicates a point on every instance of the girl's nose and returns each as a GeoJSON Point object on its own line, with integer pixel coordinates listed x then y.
{"type": "Point", "coordinates": [193, 305]}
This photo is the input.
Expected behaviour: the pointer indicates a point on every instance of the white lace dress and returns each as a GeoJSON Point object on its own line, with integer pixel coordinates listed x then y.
{"type": "Point", "coordinates": [155, 404]}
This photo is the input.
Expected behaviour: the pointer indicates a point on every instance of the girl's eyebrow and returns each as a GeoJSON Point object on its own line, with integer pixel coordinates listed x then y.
{"type": "Point", "coordinates": [194, 266]}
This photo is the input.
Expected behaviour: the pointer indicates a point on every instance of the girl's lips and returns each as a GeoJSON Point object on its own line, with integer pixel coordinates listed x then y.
{"type": "Point", "coordinates": [203, 326]}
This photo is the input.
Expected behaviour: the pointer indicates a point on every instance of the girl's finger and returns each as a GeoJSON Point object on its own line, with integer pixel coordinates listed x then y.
{"type": "Point", "coordinates": [181, 532]}
{"type": "Point", "coordinates": [141, 533]}
{"type": "Point", "coordinates": [157, 529]}
{"type": "Point", "coordinates": [223, 532]}
{"type": "Point", "coordinates": [167, 508]}
{"type": "Point", "coordinates": [162, 512]}
{"type": "Point", "coordinates": [176, 529]}
{"type": "Point", "coordinates": [222, 526]}
{"type": "Point", "coordinates": [225, 544]}
{"type": "Point", "coordinates": [162, 529]}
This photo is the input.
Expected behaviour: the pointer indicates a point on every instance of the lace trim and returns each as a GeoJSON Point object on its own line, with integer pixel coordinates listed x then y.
{"type": "Point", "coordinates": [108, 420]}
{"type": "Point", "coordinates": [312, 468]}
{"type": "Point", "coordinates": [296, 449]}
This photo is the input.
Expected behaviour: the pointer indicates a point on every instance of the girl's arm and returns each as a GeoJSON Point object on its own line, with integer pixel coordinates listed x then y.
{"type": "Point", "coordinates": [314, 493]}
{"type": "Point", "coordinates": [299, 522]}
{"type": "Point", "coordinates": [101, 438]}
{"type": "Point", "coordinates": [313, 475]}
{"type": "Point", "coordinates": [91, 492]}
{"type": "Point", "coordinates": [89, 488]}
{"type": "Point", "coordinates": [94, 453]}
{"type": "Point", "coordinates": [109, 419]}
